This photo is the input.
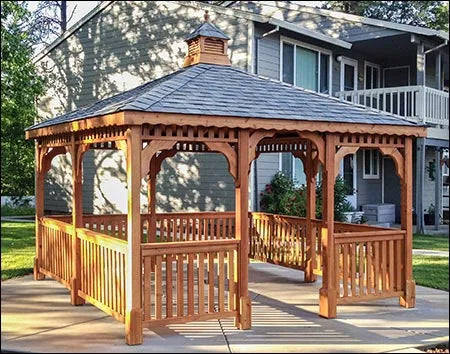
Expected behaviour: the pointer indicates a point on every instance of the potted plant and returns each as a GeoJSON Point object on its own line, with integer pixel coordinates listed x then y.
{"type": "Point", "coordinates": [429, 215]}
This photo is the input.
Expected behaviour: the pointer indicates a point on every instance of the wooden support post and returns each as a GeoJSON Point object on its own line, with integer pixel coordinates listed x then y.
{"type": "Point", "coordinates": [152, 200]}
{"type": "Point", "coordinates": [39, 177]}
{"type": "Point", "coordinates": [310, 214]}
{"type": "Point", "coordinates": [409, 299]}
{"type": "Point", "coordinates": [243, 302]}
{"type": "Point", "coordinates": [328, 292]}
{"type": "Point", "coordinates": [77, 220]}
{"type": "Point", "coordinates": [133, 310]}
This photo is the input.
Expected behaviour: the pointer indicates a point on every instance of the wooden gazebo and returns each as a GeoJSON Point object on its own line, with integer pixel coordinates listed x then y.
{"type": "Point", "coordinates": [154, 269]}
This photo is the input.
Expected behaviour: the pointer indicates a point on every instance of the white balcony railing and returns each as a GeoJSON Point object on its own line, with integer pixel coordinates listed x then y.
{"type": "Point", "coordinates": [418, 103]}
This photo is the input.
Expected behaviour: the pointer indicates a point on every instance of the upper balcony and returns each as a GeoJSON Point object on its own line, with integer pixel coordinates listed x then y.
{"type": "Point", "coordinates": [417, 103]}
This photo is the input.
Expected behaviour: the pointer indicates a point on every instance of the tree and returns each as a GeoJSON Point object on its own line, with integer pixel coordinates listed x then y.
{"type": "Point", "coordinates": [431, 14]}
{"type": "Point", "coordinates": [20, 86]}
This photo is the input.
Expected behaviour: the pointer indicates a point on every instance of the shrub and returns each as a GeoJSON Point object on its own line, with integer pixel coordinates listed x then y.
{"type": "Point", "coordinates": [281, 196]}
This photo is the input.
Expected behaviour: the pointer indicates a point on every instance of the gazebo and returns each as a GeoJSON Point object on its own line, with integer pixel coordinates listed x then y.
{"type": "Point", "coordinates": [154, 269]}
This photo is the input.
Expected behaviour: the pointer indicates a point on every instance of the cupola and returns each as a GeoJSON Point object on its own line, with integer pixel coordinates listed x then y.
{"type": "Point", "coordinates": [207, 44]}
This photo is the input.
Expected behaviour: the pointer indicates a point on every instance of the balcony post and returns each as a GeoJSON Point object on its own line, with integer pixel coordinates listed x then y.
{"type": "Point", "coordinates": [328, 292]}
{"type": "Point", "coordinates": [437, 189]}
{"type": "Point", "coordinates": [420, 170]}
{"type": "Point", "coordinates": [133, 306]}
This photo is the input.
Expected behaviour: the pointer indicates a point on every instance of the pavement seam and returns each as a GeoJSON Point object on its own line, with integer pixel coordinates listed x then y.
{"type": "Point", "coordinates": [54, 329]}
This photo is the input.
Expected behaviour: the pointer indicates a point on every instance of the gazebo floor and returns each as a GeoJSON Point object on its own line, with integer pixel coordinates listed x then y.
{"type": "Point", "coordinates": [38, 316]}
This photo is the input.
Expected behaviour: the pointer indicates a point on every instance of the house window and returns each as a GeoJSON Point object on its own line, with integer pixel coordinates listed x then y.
{"type": "Point", "coordinates": [371, 163]}
{"type": "Point", "coordinates": [306, 66]}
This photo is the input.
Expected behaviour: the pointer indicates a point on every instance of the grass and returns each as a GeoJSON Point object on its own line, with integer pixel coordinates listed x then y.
{"type": "Point", "coordinates": [17, 242]}
{"type": "Point", "coordinates": [431, 271]}
{"type": "Point", "coordinates": [8, 210]}
{"type": "Point", "coordinates": [18, 249]}
{"type": "Point", "coordinates": [430, 242]}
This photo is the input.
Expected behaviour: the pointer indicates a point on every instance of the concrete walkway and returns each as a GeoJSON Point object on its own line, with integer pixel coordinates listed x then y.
{"type": "Point", "coordinates": [37, 316]}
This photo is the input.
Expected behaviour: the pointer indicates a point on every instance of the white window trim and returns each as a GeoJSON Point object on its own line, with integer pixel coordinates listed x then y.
{"type": "Point", "coordinates": [319, 50]}
{"type": "Point", "coordinates": [354, 63]}
{"type": "Point", "coordinates": [397, 67]}
{"type": "Point", "coordinates": [373, 65]}
{"type": "Point", "coordinates": [371, 175]}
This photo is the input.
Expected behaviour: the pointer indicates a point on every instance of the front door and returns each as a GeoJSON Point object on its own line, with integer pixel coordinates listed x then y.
{"type": "Point", "coordinates": [349, 75]}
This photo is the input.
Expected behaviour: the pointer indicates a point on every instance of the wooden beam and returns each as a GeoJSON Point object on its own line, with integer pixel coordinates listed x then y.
{"type": "Point", "coordinates": [328, 292]}
{"type": "Point", "coordinates": [39, 178]}
{"type": "Point", "coordinates": [76, 152]}
{"type": "Point", "coordinates": [133, 308]}
{"type": "Point", "coordinates": [230, 154]}
{"type": "Point", "coordinates": [243, 303]}
{"type": "Point", "coordinates": [310, 173]}
{"type": "Point", "coordinates": [140, 118]}
{"type": "Point", "coordinates": [340, 154]}
{"type": "Point", "coordinates": [409, 299]}
{"type": "Point", "coordinates": [254, 139]}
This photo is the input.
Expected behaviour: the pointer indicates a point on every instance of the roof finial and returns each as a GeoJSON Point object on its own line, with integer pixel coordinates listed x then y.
{"type": "Point", "coordinates": [206, 16]}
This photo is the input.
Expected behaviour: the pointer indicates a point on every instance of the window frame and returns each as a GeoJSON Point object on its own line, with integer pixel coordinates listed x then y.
{"type": "Point", "coordinates": [372, 65]}
{"type": "Point", "coordinates": [349, 62]}
{"type": "Point", "coordinates": [319, 50]}
{"type": "Point", "coordinates": [371, 175]}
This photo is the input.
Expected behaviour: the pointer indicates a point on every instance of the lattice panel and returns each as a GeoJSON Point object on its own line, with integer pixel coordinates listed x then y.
{"type": "Point", "coordinates": [55, 140]}
{"type": "Point", "coordinates": [188, 133]}
{"type": "Point", "coordinates": [100, 135]}
{"type": "Point", "coordinates": [373, 140]}
{"type": "Point", "coordinates": [281, 145]}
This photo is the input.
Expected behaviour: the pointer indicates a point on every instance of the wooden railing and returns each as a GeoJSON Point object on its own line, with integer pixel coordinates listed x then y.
{"type": "Point", "coordinates": [188, 280]}
{"type": "Point", "coordinates": [369, 264]}
{"type": "Point", "coordinates": [418, 103]}
{"type": "Point", "coordinates": [114, 225]}
{"type": "Point", "coordinates": [56, 249]}
{"type": "Point", "coordinates": [103, 272]}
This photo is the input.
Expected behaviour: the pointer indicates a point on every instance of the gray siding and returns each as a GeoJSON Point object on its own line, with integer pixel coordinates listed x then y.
{"type": "Point", "coordinates": [268, 52]}
{"type": "Point", "coordinates": [369, 190]}
{"type": "Point", "coordinates": [304, 17]}
{"type": "Point", "coordinates": [268, 165]}
{"type": "Point", "coordinates": [122, 47]}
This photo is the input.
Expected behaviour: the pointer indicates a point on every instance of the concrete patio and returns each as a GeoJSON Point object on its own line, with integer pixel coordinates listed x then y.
{"type": "Point", "coordinates": [38, 317]}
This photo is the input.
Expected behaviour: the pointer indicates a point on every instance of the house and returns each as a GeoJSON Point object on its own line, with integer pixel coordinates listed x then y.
{"type": "Point", "coordinates": [394, 68]}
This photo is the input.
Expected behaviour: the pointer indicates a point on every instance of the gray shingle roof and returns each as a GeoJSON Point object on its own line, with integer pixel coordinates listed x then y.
{"type": "Point", "coordinates": [206, 89]}
{"type": "Point", "coordinates": [206, 29]}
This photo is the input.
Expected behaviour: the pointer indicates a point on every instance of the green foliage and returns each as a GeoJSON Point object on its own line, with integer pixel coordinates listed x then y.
{"type": "Point", "coordinates": [20, 86]}
{"type": "Point", "coordinates": [8, 210]}
{"type": "Point", "coordinates": [18, 249]}
{"type": "Point", "coordinates": [432, 14]}
{"type": "Point", "coordinates": [281, 196]}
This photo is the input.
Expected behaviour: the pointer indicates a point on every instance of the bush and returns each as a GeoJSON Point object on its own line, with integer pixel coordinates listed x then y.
{"type": "Point", "coordinates": [8, 210]}
{"type": "Point", "coordinates": [281, 196]}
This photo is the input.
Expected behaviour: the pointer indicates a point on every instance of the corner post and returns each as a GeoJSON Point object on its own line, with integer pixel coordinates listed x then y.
{"type": "Point", "coordinates": [133, 279]}
{"type": "Point", "coordinates": [328, 292]}
{"type": "Point", "coordinates": [243, 300]}
{"type": "Point", "coordinates": [39, 177]}
{"type": "Point", "coordinates": [77, 221]}
{"type": "Point", "coordinates": [409, 299]}
{"type": "Point", "coordinates": [310, 214]}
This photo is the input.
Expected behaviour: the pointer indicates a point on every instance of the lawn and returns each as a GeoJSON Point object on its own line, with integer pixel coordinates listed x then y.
{"type": "Point", "coordinates": [430, 242]}
{"type": "Point", "coordinates": [17, 241]}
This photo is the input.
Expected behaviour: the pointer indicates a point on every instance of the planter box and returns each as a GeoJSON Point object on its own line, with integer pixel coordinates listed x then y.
{"type": "Point", "coordinates": [380, 213]}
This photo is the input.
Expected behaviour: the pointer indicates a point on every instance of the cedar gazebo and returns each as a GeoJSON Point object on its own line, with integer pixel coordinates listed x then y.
{"type": "Point", "coordinates": [155, 269]}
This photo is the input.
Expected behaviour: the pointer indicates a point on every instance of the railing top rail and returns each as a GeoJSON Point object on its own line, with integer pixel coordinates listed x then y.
{"type": "Point", "coordinates": [434, 90]}
{"type": "Point", "coordinates": [197, 213]}
{"type": "Point", "coordinates": [385, 89]}
{"type": "Point", "coordinates": [155, 249]}
{"type": "Point", "coordinates": [102, 239]}
{"type": "Point", "coordinates": [56, 224]}
{"type": "Point", "coordinates": [370, 233]}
